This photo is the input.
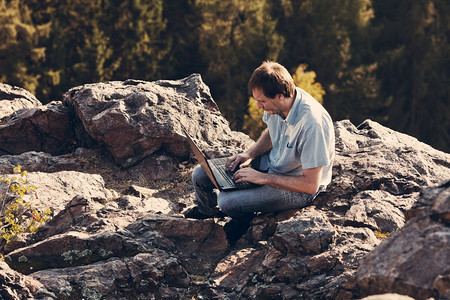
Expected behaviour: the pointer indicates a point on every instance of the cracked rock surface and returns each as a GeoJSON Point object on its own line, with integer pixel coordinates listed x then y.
{"type": "Point", "coordinates": [115, 170]}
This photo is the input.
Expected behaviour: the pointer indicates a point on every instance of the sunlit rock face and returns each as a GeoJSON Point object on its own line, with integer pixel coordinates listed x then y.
{"type": "Point", "coordinates": [117, 191]}
{"type": "Point", "coordinates": [134, 119]}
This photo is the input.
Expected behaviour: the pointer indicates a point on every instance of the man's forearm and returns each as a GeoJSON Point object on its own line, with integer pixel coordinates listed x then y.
{"type": "Point", "coordinates": [296, 183]}
{"type": "Point", "coordinates": [262, 145]}
{"type": "Point", "coordinates": [306, 182]}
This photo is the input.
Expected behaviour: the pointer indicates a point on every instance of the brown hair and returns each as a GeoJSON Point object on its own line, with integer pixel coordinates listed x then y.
{"type": "Point", "coordinates": [273, 79]}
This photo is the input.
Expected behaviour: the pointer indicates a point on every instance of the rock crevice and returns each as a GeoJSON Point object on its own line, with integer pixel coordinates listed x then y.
{"type": "Point", "coordinates": [111, 162]}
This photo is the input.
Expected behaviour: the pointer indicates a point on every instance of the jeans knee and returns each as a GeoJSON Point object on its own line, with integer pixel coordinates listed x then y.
{"type": "Point", "coordinates": [198, 175]}
{"type": "Point", "coordinates": [229, 205]}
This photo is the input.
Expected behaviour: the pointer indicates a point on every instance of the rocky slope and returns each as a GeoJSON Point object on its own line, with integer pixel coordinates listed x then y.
{"type": "Point", "coordinates": [111, 161]}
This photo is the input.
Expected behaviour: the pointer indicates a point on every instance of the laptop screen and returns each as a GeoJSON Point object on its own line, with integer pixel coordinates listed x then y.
{"type": "Point", "coordinates": [201, 159]}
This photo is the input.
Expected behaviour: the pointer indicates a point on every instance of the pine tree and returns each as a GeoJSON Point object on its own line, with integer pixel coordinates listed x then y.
{"type": "Point", "coordinates": [137, 38]}
{"type": "Point", "coordinates": [414, 66]}
{"type": "Point", "coordinates": [19, 49]}
{"type": "Point", "coordinates": [98, 40]}
{"type": "Point", "coordinates": [235, 38]}
{"type": "Point", "coordinates": [183, 23]}
{"type": "Point", "coordinates": [333, 37]}
{"type": "Point", "coordinates": [306, 80]}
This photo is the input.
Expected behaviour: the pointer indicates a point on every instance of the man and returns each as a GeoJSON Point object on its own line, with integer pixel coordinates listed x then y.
{"type": "Point", "coordinates": [294, 154]}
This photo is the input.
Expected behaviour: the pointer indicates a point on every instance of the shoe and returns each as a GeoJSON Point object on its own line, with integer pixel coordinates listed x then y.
{"type": "Point", "coordinates": [194, 213]}
{"type": "Point", "coordinates": [236, 228]}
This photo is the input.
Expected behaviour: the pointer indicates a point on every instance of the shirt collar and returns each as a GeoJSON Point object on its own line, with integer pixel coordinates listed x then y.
{"type": "Point", "coordinates": [291, 117]}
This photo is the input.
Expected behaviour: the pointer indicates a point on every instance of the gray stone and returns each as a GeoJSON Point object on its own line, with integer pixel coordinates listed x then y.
{"type": "Point", "coordinates": [134, 119]}
{"type": "Point", "coordinates": [415, 260]}
{"type": "Point", "coordinates": [47, 128]}
{"type": "Point", "coordinates": [313, 253]}
{"type": "Point", "coordinates": [13, 99]}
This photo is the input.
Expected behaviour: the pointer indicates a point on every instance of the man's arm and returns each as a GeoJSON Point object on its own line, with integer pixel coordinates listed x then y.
{"type": "Point", "coordinates": [262, 146]}
{"type": "Point", "coordinates": [308, 182]}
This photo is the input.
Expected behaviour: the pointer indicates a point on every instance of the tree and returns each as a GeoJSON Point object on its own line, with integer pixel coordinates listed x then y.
{"type": "Point", "coordinates": [19, 50]}
{"type": "Point", "coordinates": [235, 38]}
{"type": "Point", "coordinates": [413, 48]}
{"type": "Point", "coordinates": [333, 37]}
{"type": "Point", "coordinates": [183, 24]}
{"type": "Point", "coordinates": [93, 41]}
{"type": "Point", "coordinates": [136, 37]}
{"type": "Point", "coordinates": [307, 81]}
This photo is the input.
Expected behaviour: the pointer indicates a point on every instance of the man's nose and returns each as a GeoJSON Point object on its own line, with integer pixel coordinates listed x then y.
{"type": "Point", "coordinates": [259, 105]}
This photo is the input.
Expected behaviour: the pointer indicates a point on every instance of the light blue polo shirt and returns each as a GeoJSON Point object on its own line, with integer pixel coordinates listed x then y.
{"type": "Point", "coordinates": [304, 140]}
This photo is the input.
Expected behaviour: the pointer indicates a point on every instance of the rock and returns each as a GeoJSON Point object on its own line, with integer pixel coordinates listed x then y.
{"type": "Point", "coordinates": [389, 296]}
{"type": "Point", "coordinates": [71, 249]}
{"type": "Point", "coordinates": [55, 190]}
{"type": "Point", "coordinates": [117, 233]}
{"type": "Point", "coordinates": [368, 194]}
{"type": "Point", "coordinates": [16, 286]}
{"type": "Point", "coordinates": [87, 215]}
{"type": "Point", "coordinates": [392, 165]}
{"type": "Point", "coordinates": [309, 232]}
{"type": "Point", "coordinates": [154, 167]}
{"type": "Point", "coordinates": [37, 161]}
{"type": "Point", "coordinates": [198, 244]}
{"type": "Point", "coordinates": [134, 118]}
{"type": "Point", "coordinates": [80, 214]}
{"type": "Point", "coordinates": [415, 260]}
{"type": "Point", "coordinates": [393, 161]}
{"type": "Point", "coordinates": [138, 122]}
{"type": "Point", "coordinates": [375, 210]}
{"type": "Point", "coordinates": [153, 252]}
{"type": "Point", "coordinates": [302, 248]}
{"type": "Point", "coordinates": [46, 128]}
{"type": "Point", "coordinates": [136, 277]}
{"type": "Point", "coordinates": [13, 99]}
{"type": "Point", "coordinates": [234, 270]}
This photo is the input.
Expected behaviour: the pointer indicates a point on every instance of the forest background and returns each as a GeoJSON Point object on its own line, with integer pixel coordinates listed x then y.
{"type": "Point", "coordinates": [380, 59]}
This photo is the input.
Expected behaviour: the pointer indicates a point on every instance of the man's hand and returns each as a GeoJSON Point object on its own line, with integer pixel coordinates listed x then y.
{"type": "Point", "coordinates": [241, 160]}
{"type": "Point", "coordinates": [307, 182]}
{"type": "Point", "coordinates": [249, 174]}
{"type": "Point", "coordinates": [262, 146]}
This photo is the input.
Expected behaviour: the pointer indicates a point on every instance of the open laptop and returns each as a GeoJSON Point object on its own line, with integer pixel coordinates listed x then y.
{"type": "Point", "coordinates": [216, 171]}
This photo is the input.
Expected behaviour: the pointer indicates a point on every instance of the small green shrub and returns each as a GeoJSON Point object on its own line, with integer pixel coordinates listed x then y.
{"type": "Point", "coordinates": [381, 235]}
{"type": "Point", "coordinates": [17, 215]}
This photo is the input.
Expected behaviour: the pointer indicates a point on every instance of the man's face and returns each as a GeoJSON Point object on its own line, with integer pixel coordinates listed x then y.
{"type": "Point", "coordinates": [269, 105]}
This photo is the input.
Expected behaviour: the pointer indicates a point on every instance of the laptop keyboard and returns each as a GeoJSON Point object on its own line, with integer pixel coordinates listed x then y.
{"type": "Point", "coordinates": [228, 174]}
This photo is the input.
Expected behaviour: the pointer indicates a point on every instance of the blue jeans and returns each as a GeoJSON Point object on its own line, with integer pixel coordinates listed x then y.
{"type": "Point", "coordinates": [242, 203]}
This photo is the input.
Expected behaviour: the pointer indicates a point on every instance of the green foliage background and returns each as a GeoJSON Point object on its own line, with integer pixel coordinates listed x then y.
{"type": "Point", "coordinates": [379, 59]}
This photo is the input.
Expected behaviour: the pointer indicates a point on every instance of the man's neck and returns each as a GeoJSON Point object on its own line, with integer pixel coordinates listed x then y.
{"type": "Point", "coordinates": [289, 102]}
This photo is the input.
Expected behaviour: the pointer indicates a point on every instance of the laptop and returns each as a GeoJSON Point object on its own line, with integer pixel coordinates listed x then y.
{"type": "Point", "coordinates": [216, 171]}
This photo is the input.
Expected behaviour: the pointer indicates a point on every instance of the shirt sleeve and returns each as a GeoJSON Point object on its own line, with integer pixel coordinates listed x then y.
{"type": "Point", "coordinates": [314, 151]}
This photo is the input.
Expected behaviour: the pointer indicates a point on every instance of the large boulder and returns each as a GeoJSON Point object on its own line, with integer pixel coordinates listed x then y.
{"type": "Point", "coordinates": [377, 175]}
{"type": "Point", "coordinates": [415, 260]}
{"type": "Point", "coordinates": [134, 118]}
{"type": "Point", "coordinates": [132, 242]}
{"type": "Point", "coordinates": [139, 123]}
{"type": "Point", "coordinates": [16, 286]}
